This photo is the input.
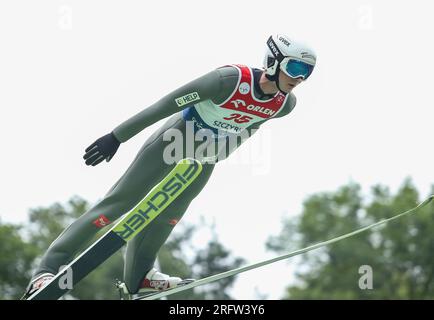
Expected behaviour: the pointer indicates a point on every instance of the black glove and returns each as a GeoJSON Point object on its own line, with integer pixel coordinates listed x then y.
{"type": "Point", "coordinates": [103, 148]}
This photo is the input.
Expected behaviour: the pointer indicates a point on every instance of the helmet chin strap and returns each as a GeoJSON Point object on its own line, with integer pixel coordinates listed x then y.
{"type": "Point", "coordinates": [277, 81]}
{"type": "Point", "coordinates": [275, 78]}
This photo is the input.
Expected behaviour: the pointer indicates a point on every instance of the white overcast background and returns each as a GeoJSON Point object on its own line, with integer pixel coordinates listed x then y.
{"type": "Point", "coordinates": [70, 71]}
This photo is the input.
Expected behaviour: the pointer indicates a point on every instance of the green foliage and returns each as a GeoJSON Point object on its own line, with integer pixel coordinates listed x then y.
{"type": "Point", "coordinates": [16, 260]}
{"type": "Point", "coordinates": [21, 245]}
{"type": "Point", "coordinates": [210, 260]}
{"type": "Point", "coordinates": [400, 253]}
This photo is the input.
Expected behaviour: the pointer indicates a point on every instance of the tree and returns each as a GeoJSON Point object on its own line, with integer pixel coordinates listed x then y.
{"type": "Point", "coordinates": [21, 245]}
{"type": "Point", "coordinates": [16, 260]}
{"type": "Point", "coordinates": [400, 253]}
{"type": "Point", "coordinates": [212, 259]}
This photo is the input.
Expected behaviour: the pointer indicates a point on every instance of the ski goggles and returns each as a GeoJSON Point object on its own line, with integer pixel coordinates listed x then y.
{"type": "Point", "coordinates": [295, 68]}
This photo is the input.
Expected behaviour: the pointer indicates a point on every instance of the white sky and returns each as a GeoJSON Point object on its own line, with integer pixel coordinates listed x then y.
{"type": "Point", "coordinates": [70, 71]}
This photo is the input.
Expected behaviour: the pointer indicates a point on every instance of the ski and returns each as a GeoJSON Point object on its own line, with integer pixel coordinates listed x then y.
{"type": "Point", "coordinates": [153, 204]}
{"type": "Point", "coordinates": [125, 295]}
{"type": "Point", "coordinates": [233, 272]}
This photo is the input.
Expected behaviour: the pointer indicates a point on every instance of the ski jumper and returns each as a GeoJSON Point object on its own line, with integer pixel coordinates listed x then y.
{"type": "Point", "coordinates": [226, 101]}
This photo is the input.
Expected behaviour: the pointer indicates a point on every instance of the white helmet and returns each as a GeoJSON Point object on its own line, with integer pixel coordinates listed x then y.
{"type": "Point", "coordinates": [294, 58]}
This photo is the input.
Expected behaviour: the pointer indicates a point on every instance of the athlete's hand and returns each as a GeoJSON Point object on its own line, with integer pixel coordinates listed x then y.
{"type": "Point", "coordinates": [103, 148]}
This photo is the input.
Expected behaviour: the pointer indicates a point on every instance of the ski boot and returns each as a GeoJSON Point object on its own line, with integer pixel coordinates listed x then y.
{"type": "Point", "coordinates": [154, 282]}
{"type": "Point", "coordinates": [36, 284]}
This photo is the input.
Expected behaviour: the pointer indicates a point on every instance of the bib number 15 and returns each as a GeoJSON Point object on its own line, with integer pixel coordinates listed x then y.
{"type": "Point", "coordinates": [238, 118]}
